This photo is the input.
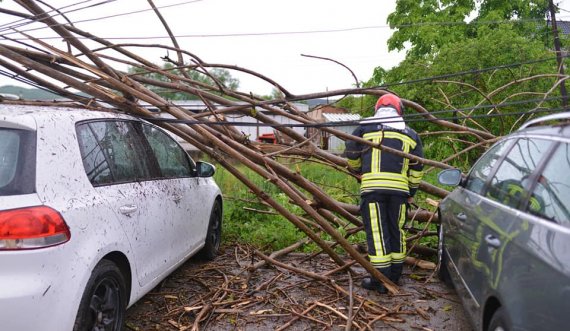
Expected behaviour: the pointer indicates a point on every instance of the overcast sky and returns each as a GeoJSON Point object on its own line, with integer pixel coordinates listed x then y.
{"type": "Point", "coordinates": [266, 36]}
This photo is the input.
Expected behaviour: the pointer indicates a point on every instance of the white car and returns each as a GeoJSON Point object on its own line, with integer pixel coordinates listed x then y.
{"type": "Point", "coordinates": [96, 209]}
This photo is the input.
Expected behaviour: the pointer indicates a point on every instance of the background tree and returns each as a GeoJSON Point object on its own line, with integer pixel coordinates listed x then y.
{"type": "Point", "coordinates": [493, 42]}
{"type": "Point", "coordinates": [223, 76]}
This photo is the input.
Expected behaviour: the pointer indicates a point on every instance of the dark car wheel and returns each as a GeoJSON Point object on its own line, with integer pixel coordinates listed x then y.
{"type": "Point", "coordinates": [214, 235]}
{"type": "Point", "coordinates": [443, 271]}
{"type": "Point", "coordinates": [499, 322]}
{"type": "Point", "coordinates": [104, 301]}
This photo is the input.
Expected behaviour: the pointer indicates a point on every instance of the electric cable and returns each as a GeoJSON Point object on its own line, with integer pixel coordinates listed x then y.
{"type": "Point", "coordinates": [58, 12]}
{"type": "Point", "coordinates": [464, 73]}
{"type": "Point", "coordinates": [356, 122]}
{"type": "Point", "coordinates": [92, 19]}
{"type": "Point", "coordinates": [426, 79]}
{"type": "Point", "coordinates": [247, 34]}
{"type": "Point", "coordinates": [461, 73]}
{"type": "Point", "coordinates": [474, 71]}
{"type": "Point", "coordinates": [30, 82]}
{"type": "Point", "coordinates": [219, 35]}
{"type": "Point", "coordinates": [471, 72]}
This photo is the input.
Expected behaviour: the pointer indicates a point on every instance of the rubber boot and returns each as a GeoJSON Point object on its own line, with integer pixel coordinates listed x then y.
{"type": "Point", "coordinates": [396, 272]}
{"type": "Point", "coordinates": [371, 283]}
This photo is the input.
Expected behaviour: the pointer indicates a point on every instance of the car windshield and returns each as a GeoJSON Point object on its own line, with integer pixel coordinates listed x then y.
{"type": "Point", "coordinates": [17, 162]}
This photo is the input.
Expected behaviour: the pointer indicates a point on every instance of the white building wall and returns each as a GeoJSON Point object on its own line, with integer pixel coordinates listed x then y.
{"type": "Point", "coordinates": [252, 131]}
{"type": "Point", "coordinates": [336, 144]}
{"type": "Point", "coordinates": [256, 131]}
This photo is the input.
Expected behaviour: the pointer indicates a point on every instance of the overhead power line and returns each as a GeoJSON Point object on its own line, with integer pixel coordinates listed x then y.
{"type": "Point", "coordinates": [251, 34]}
{"type": "Point", "coordinates": [52, 13]}
{"type": "Point", "coordinates": [453, 74]}
{"type": "Point", "coordinates": [470, 72]}
{"type": "Point", "coordinates": [409, 118]}
{"type": "Point", "coordinates": [347, 123]}
{"type": "Point", "coordinates": [25, 21]}
{"type": "Point", "coordinates": [427, 79]}
{"type": "Point", "coordinates": [443, 76]}
{"type": "Point", "coordinates": [11, 27]}
{"type": "Point", "coordinates": [275, 33]}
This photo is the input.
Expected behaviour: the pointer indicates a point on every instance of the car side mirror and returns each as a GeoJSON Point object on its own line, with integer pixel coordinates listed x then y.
{"type": "Point", "coordinates": [449, 177]}
{"type": "Point", "coordinates": [205, 169]}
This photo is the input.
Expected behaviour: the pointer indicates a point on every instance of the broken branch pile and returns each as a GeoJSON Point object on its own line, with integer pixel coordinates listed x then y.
{"type": "Point", "coordinates": [92, 70]}
{"type": "Point", "coordinates": [238, 291]}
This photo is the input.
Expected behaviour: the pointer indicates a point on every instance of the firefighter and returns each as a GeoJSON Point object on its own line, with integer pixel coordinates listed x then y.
{"type": "Point", "coordinates": [388, 183]}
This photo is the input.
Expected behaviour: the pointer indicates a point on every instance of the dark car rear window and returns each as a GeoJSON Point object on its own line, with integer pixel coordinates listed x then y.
{"type": "Point", "coordinates": [17, 162]}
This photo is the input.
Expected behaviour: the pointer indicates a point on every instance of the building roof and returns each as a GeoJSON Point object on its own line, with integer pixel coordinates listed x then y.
{"type": "Point", "coordinates": [341, 117]}
{"type": "Point", "coordinates": [562, 26]}
{"type": "Point", "coordinates": [329, 109]}
{"type": "Point", "coordinates": [197, 106]}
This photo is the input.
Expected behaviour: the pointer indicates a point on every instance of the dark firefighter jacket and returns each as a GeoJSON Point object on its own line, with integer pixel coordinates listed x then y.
{"type": "Point", "coordinates": [381, 171]}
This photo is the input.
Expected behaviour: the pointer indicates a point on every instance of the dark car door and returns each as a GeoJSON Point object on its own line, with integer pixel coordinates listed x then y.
{"type": "Point", "coordinates": [495, 215]}
{"type": "Point", "coordinates": [483, 213]}
{"type": "Point", "coordinates": [537, 263]}
{"type": "Point", "coordinates": [459, 219]}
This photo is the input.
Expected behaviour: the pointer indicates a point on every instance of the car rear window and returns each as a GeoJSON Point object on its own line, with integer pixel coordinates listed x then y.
{"type": "Point", "coordinates": [509, 183]}
{"type": "Point", "coordinates": [552, 190]}
{"type": "Point", "coordinates": [482, 169]}
{"type": "Point", "coordinates": [111, 152]}
{"type": "Point", "coordinates": [17, 162]}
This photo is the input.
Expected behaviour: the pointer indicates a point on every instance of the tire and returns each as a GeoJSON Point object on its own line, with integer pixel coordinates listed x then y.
{"type": "Point", "coordinates": [104, 300]}
{"type": "Point", "coordinates": [214, 234]}
{"type": "Point", "coordinates": [499, 321]}
{"type": "Point", "coordinates": [443, 272]}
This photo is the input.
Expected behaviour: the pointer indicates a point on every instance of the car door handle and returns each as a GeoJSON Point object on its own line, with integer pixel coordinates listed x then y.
{"type": "Point", "coordinates": [128, 209]}
{"type": "Point", "coordinates": [461, 217]}
{"type": "Point", "coordinates": [492, 241]}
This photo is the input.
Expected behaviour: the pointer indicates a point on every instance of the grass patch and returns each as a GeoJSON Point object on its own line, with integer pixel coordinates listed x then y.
{"type": "Point", "coordinates": [248, 221]}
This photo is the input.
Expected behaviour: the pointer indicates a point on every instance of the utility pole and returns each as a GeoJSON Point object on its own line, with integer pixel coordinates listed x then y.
{"type": "Point", "coordinates": [558, 52]}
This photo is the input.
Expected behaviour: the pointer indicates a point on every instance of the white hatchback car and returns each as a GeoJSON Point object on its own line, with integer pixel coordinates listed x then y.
{"type": "Point", "coordinates": [95, 210]}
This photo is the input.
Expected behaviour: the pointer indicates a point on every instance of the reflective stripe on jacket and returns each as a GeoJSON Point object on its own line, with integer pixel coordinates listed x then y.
{"type": "Point", "coordinates": [381, 170]}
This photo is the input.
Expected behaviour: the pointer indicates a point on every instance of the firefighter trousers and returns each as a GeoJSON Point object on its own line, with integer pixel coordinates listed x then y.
{"type": "Point", "coordinates": [383, 216]}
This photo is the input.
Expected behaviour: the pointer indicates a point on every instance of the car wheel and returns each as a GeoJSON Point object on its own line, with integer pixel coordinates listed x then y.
{"type": "Point", "coordinates": [104, 301]}
{"type": "Point", "coordinates": [499, 321]}
{"type": "Point", "coordinates": [443, 271]}
{"type": "Point", "coordinates": [214, 235]}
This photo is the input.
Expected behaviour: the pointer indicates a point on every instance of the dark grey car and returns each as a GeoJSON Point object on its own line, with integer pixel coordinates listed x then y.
{"type": "Point", "coordinates": [505, 231]}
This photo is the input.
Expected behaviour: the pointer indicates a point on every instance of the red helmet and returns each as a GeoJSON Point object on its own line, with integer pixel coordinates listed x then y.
{"type": "Point", "coordinates": [390, 100]}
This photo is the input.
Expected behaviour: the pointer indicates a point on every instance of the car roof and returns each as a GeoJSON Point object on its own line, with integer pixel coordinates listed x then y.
{"type": "Point", "coordinates": [549, 126]}
{"type": "Point", "coordinates": [31, 117]}
{"type": "Point", "coordinates": [559, 130]}
{"type": "Point", "coordinates": [560, 116]}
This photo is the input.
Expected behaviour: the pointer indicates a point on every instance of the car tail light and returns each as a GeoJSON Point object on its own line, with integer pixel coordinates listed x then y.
{"type": "Point", "coordinates": [31, 228]}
